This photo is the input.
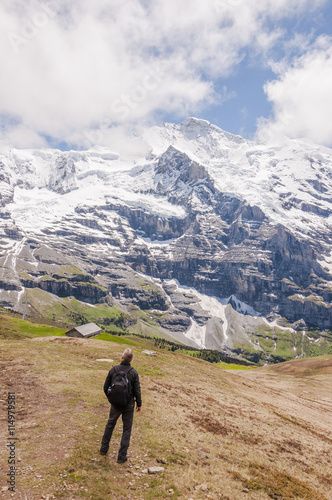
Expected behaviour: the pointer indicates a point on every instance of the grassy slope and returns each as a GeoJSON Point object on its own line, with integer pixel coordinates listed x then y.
{"type": "Point", "coordinates": [277, 344]}
{"type": "Point", "coordinates": [283, 345]}
{"type": "Point", "coordinates": [68, 310]}
{"type": "Point", "coordinates": [237, 437]}
{"type": "Point", "coordinates": [14, 327]}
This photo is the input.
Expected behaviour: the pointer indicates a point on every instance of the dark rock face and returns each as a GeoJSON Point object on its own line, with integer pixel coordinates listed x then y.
{"type": "Point", "coordinates": [144, 297]}
{"type": "Point", "coordinates": [231, 248]}
{"type": "Point", "coordinates": [85, 290]}
{"type": "Point", "coordinates": [6, 186]}
{"type": "Point", "coordinates": [8, 285]}
{"type": "Point", "coordinates": [150, 225]}
{"type": "Point", "coordinates": [177, 168]}
{"type": "Point", "coordinates": [315, 311]}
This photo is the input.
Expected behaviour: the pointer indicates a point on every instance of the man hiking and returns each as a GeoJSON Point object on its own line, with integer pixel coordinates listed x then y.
{"type": "Point", "coordinates": [122, 388]}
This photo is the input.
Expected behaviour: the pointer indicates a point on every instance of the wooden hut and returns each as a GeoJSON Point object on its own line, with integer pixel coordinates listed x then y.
{"type": "Point", "coordinates": [84, 331]}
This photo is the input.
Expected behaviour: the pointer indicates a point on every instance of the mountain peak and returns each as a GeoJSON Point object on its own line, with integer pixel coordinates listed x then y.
{"type": "Point", "coordinates": [197, 122]}
{"type": "Point", "coordinates": [203, 127]}
{"type": "Point", "coordinates": [198, 138]}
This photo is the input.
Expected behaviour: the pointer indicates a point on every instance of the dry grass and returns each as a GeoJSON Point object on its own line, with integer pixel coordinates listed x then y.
{"type": "Point", "coordinates": [251, 435]}
{"type": "Point", "coordinates": [305, 367]}
{"type": "Point", "coordinates": [278, 485]}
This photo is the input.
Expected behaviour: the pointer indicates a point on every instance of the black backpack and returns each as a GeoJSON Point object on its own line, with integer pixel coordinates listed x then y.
{"type": "Point", "coordinates": [119, 394]}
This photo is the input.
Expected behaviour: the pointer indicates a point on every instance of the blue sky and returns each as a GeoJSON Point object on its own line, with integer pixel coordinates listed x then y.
{"type": "Point", "coordinates": [239, 115]}
{"type": "Point", "coordinates": [80, 74]}
{"type": "Point", "coordinates": [247, 102]}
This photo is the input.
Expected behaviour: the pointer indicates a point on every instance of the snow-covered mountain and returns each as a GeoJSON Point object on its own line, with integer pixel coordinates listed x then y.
{"type": "Point", "coordinates": [209, 229]}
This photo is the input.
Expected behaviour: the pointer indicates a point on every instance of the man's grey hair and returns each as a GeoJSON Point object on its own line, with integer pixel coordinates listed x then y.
{"type": "Point", "coordinates": [127, 355]}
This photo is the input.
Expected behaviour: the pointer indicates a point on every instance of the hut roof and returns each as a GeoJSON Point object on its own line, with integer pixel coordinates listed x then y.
{"type": "Point", "coordinates": [87, 330]}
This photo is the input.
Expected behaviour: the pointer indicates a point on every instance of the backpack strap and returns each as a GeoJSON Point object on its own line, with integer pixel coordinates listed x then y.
{"type": "Point", "coordinates": [122, 368]}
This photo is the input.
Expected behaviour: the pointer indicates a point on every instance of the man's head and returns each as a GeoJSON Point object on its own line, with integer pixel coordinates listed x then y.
{"type": "Point", "coordinates": [127, 355]}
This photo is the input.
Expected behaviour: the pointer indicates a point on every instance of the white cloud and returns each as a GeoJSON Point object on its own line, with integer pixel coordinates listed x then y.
{"type": "Point", "coordinates": [301, 97]}
{"type": "Point", "coordinates": [70, 67]}
{"type": "Point", "coordinates": [23, 137]}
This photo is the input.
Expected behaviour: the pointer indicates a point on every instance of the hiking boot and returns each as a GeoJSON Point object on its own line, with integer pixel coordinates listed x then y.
{"type": "Point", "coordinates": [103, 452]}
{"type": "Point", "coordinates": [121, 460]}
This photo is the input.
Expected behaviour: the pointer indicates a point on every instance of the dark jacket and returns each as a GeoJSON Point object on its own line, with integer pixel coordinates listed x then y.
{"type": "Point", "coordinates": [132, 376]}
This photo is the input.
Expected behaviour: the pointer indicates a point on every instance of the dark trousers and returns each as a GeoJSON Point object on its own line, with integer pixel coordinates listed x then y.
{"type": "Point", "coordinates": [127, 420]}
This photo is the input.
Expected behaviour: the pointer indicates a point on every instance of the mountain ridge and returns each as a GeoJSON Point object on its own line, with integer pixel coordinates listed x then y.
{"type": "Point", "coordinates": [218, 214]}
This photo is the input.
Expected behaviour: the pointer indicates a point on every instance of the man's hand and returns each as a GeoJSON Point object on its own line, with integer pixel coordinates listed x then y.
{"type": "Point", "coordinates": [138, 408]}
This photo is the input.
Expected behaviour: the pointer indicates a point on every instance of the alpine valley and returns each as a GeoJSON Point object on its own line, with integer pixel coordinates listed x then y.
{"type": "Point", "coordinates": [205, 238]}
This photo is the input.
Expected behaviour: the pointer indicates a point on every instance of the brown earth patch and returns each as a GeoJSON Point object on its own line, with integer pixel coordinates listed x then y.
{"type": "Point", "coordinates": [208, 423]}
{"type": "Point", "coordinates": [277, 484]}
